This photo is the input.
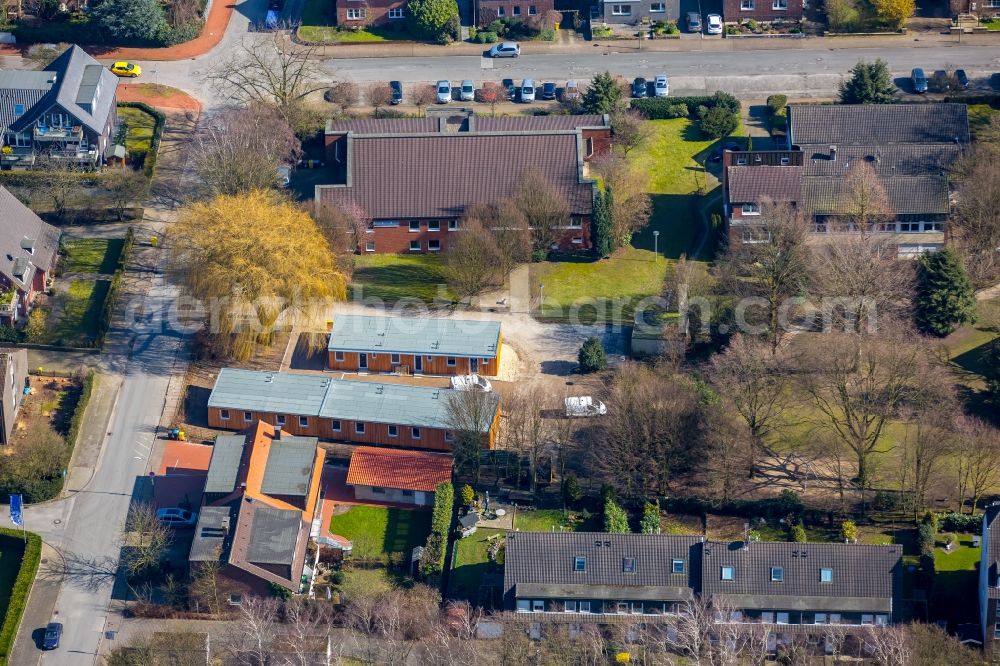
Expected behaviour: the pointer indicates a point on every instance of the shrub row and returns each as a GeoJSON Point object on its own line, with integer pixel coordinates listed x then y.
{"type": "Point", "coordinates": [432, 561]}
{"type": "Point", "coordinates": [114, 291]}
{"type": "Point", "coordinates": [960, 522]}
{"type": "Point", "coordinates": [81, 406]}
{"type": "Point", "coordinates": [660, 108]}
{"type": "Point", "coordinates": [772, 507]}
{"type": "Point", "coordinates": [149, 164]}
{"type": "Point", "coordinates": [32, 554]}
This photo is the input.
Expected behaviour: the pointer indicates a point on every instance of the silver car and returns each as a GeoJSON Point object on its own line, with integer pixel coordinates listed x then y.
{"type": "Point", "coordinates": [504, 50]}
{"type": "Point", "coordinates": [527, 90]}
{"type": "Point", "coordinates": [467, 92]}
{"type": "Point", "coordinates": [661, 86]}
{"type": "Point", "coordinates": [714, 26]}
{"type": "Point", "coordinates": [443, 92]}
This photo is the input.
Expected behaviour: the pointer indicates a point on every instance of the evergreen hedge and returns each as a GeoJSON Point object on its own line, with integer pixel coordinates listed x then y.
{"type": "Point", "coordinates": [30, 558]}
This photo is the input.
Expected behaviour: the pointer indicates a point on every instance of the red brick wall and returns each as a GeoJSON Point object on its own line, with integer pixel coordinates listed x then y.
{"type": "Point", "coordinates": [762, 11]}
{"type": "Point", "coordinates": [601, 142]}
{"type": "Point", "coordinates": [486, 10]}
{"type": "Point", "coordinates": [376, 13]}
{"type": "Point", "coordinates": [396, 240]}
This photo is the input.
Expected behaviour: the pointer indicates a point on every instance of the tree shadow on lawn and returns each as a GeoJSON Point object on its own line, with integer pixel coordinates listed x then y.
{"type": "Point", "coordinates": [676, 217]}
{"type": "Point", "coordinates": [405, 529]}
{"type": "Point", "coordinates": [393, 282]}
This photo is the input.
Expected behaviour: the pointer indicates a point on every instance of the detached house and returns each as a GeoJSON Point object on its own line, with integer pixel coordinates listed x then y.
{"type": "Point", "coordinates": [359, 412]}
{"type": "Point", "coordinates": [65, 112]}
{"type": "Point", "coordinates": [398, 476]}
{"type": "Point", "coordinates": [413, 178]}
{"type": "Point", "coordinates": [418, 345]}
{"type": "Point", "coordinates": [29, 249]}
{"type": "Point", "coordinates": [906, 150]}
{"type": "Point", "coordinates": [261, 496]}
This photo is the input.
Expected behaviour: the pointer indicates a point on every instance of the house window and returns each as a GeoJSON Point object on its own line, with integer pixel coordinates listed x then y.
{"type": "Point", "coordinates": [516, 11]}
{"type": "Point", "coordinates": [359, 428]}
{"type": "Point", "coordinates": [415, 432]}
{"type": "Point", "coordinates": [335, 426]}
{"type": "Point", "coordinates": [657, 7]}
{"type": "Point", "coordinates": [385, 224]}
{"type": "Point", "coordinates": [537, 605]}
{"type": "Point", "coordinates": [415, 246]}
{"type": "Point", "coordinates": [867, 619]}
{"type": "Point", "coordinates": [996, 628]}
{"type": "Point", "coordinates": [820, 618]}
{"type": "Point", "coordinates": [248, 416]}
{"type": "Point", "coordinates": [393, 431]}
{"type": "Point", "coordinates": [782, 618]}
{"type": "Point", "coordinates": [394, 359]}
{"type": "Point", "coordinates": [677, 566]}
{"type": "Point", "coordinates": [577, 240]}
{"type": "Point", "coordinates": [887, 226]}
{"type": "Point", "coordinates": [751, 209]}
{"type": "Point", "coordinates": [235, 599]}
{"type": "Point", "coordinates": [569, 607]}
{"type": "Point", "coordinates": [356, 13]}
{"type": "Point", "coordinates": [396, 13]}
{"type": "Point", "coordinates": [909, 226]}
{"type": "Point", "coordinates": [834, 618]}
{"type": "Point", "coordinates": [575, 223]}
{"type": "Point", "coordinates": [580, 563]}
{"type": "Point", "coordinates": [727, 573]}
{"type": "Point", "coordinates": [523, 605]}
{"type": "Point", "coordinates": [378, 491]}
{"type": "Point", "coordinates": [779, 4]}
{"type": "Point", "coordinates": [621, 10]}
{"type": "Point", "coordinates": [452, 225]}
{"type": "Point", "coordinates": [303, 421]}
{"type": "Point", "coordinates": [407, 493]}
{"type": "Point", "coordinates": [777, 574]}
{"type": "Point", "coordinates": [933, 226]}
{"type": "Point", "coordinates": [746, 5]}
{"type": "Point", "coordinates": [590, 146]}
{"type": "Point", "coordinates": [449, 437]}
{"type": "Point", "coordinates": [433, 225]}
{"type": "Point", "coordinates": [338, 356]}
{"type": "Point", "coordinates": [819, 228]}
{"type": "Point", "coordinates": [767, 617]}
{"type": "Point", "coordinates": [622, 607]}
{"type": "Point", "coordinates": [279, 419]}
{"type": "Point", "coordinates": [434, 245]}
{"type": "Point", "coordinates": [741, 160]}
{"type": "Point", "coordinates": [992, 3]}
{"type": "Point", "coordinates": [826, 575]}
{"type": "Point", "coordinates": [369, 246]}
{"type": "Point", "coordinates": [636, 608]}
{"type": "Point", "coordinates": [881, 620]}
{"type": "Point", "coordinates": [785, 161]}
{"type": "Point", "coordinates": [532, 10]}
{"type": "Point", "coordinates": [414, 225]}
{"type": "Point", "coordinates": [224, 414]}
{"type": "Point", "coordinates": [584, 606]}
{"type": "Point", "coordinates": [500, 11]}
{"type": "Point", "coordinates": [628, 565]}
{"type": "Point", "coordinates": [451, 361]}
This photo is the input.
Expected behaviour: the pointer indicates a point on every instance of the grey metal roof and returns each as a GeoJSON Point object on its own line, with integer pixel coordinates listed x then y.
{"type": "Point", "coordinates": [861, 575]}
{"type": "Point", "coordinates": [350, 400]}
{"type": "Point", "coordinates": [289, 466]}
{"type": "Point", "coordinates": [422, 335]}
{"type": "Point", "coordinates": [211, 535]}
{"type": "Point", "coordinates": [19, 226]}
{"type": "Point", "coordinates": [273, 535]}
{"type": "Point", "coordinates": [542, 563]}
{"type": "Point", "coordinates": [878, 124]}
{"type": "Point", "coordinates": [225, 464]}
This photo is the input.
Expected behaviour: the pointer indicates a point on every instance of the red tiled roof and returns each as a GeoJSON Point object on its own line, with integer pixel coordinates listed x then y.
{"type": "Point", "coordinates": [394, 468]}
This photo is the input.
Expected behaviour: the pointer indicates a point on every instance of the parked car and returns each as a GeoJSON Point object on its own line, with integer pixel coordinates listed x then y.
{"type": "Point", "coordinates": [126, 69]}
{"type": "Point", "coordinates": [919, 80]}
{"type": "Point", "coordinates": [471, 382]}
{"type": "Point", "coordinates": [504, 50]}
{"type": "Point", "coordinates": [939, 81]}
{"type": "Point", "coordinates": [571, 92]}
{"type": "Point", "coordinates": [397, 92]}
{"type": "Point", "coordinates": [640, 87]}
{"type": "Point", "coordinates": [527, 90]}
{"type": "Point", "coordinates": [508, 85]}
{"type": "Point", "coordinates": [443, 92]}
{"type": "Point", "coordinates": [962, 78]}
{"type": "Point", "coordinates": [548, 90]}
{"type": "Point", "coordinates": [467, 92]}
{"type": "Point", "coordinates": [284, 175]}
{"type": "Point", "coordinates": [661, 86]}
{"type": "Point", "coordinates": [714, 26]}
{"type": "Point", "coordinates": [176, 517]}
{"type": "Point", "coordinates": [694, 22]}
{"type": "Point", "coordinates": [50, 639]}
{"type": "Point", "coordinates": [584, 406]}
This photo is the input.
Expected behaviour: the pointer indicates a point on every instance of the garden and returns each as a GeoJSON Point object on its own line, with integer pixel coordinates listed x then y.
{"type": "Point", "coordinates": [380, 534]}
{"type": "Point", "coordinates": [19, 557]}
{"type": "Point", "coordinates": [319, 26]}
{"type": "Point", "coordinates": [755, 27]}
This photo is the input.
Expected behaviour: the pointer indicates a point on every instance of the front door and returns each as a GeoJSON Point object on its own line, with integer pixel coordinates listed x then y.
{"type": "Point", "coordinates": [473, 365]}
{"type": "Point", "coordinates": [363, 361]}
{"type": "Point", "coordinates": [418, 363]}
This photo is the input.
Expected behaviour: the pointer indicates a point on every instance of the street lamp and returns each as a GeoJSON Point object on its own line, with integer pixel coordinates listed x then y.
{"type": "Point", "coordinates": [541, 296]}
{"type": "Point", "coordinates": [656, 244]}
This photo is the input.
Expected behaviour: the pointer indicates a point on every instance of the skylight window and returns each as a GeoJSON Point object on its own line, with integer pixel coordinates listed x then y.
{"type": "Point", "coordinates": [19, 109]}
{"type": "Point", "coordinates": [580, 564]}
{"type": "Point", "coordinates": [826, 575]}
{"type": "Point", "coordinates": [628, 565]}
{"type": "Point", "coordinates": [777, 574]}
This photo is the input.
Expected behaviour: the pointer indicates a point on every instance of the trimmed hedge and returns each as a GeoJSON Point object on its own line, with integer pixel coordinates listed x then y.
{"type": "Point", "coordinates": [116, 285]}
{"type": "Point", "coordinates": [149, 165]}
{"type": "Point", "coordinates": [32, 555]}
{"type": "Point", "coordinates": [81, 406]}
{"type": "Point", "coordinates": [660, 108]}
{"type": "Point", "coordinates": [437, 541]}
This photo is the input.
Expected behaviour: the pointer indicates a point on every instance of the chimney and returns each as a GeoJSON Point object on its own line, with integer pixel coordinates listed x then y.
{"type": "Point", "coordinates": [833, 153]}
{"type": "Point", "coordinates": [277, 433]}
{"type": "Point", "coordinates": [225, 525]}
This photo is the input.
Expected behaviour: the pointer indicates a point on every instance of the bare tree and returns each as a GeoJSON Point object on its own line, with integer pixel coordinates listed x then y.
{"type": "Point", "coordinates": [144, 540]}
{"type": "Point", "coordinates": [344, 94]}
{"type": "Point", "coordinates": [422, 94]}
{"type": "Point", "coordinates": [864, 198]}
{"type": "Point", "coordinates": [544, 208]}
{"type": "Point", "coordinates": [978, 459]}
{"type": "Point", "coordinates": [344, 227]}
{"type": "Point", "coordinates": [206, 588]}
{"type": "Point", "coordinates": [929, 440]}
{"type": "Point", "coordinates": [307, 625]}
{"type": "Point", "coordinates": [523, 426]}
{"type": "Point", "coordinates": [251, 635]}
{"type": "Point", "coordinates": [471, 262]}
{"type": "Point", "coordinates": [124, 186]}
{"type": "Point", "coordinates": [629, 129]}
{"type": "Point", "coordinates": [59, 182]}
{"type": "Point", "coordinates": [378, 94]}
{"type": "Point", "coordinates": [510, 233]}
{"type": "Point", "coordinates": [888, 644]}
{"type": "Point", "coordinates": [470, 418]}
{"type": "Point", "coordinates": [975, 226]}
{"type": "Point", "coordinates": [630, 201]}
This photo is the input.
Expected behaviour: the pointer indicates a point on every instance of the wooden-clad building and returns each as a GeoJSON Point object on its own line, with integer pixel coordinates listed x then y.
{"type": "Point", "coordinates": [431, 346]}
{"type": "Point", "coordinates": [353, 411]}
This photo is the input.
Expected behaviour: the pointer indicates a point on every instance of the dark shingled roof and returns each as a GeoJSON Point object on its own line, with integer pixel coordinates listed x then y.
{"type": "Point", "coordinates": [273, 535]}
{"type": "Point", "coordinates": [866, 578]}
{"type": "Point", "coordinates": [384, 125]}
{"type": "Point", "coordinates": [21, 229]}
{"type": "Point", "coordinates": [907, 194]}
{"type": "Point", "coordinates": [991, 542]}
{"type": "Point", "coordinates": [541, 564]}
{"type": "Point", "coordinates": [398, 177]}
{"type": "Point", "coordinates": [289, 466]}
{"type": "Point", "coordinates": [537, 123]}
{"type": "Point", "coordinates": [757, 183]}
{"type": "Point", "coordinates": [227, 453]}
{"type": "Point", "coordinates": [888, 160]}
{"type": "Point", "coordinates": [878, 124]}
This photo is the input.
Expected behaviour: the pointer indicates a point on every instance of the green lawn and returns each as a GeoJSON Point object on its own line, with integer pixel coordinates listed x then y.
{"type": "Point", "coordinates": [319, 25]}
{"type": "Point", "coordinates": [968, 347]}
{"type": "Point", "coordinates": [376, 531]}
{"type": "Point", "coordinates": [92, 255]}
{"type": "Point", "coordinates": [955, 580]}
{"type": "Point", "coordinates": [390, 277]}
{"type": "Point", "coordinates": [554, 520]}
{"type": "Point", "coordinates": [81, 313]}
{"type": "Point", "coordinates": [471, 563]}
{"type": "Point", "coordinates": [139, 135]}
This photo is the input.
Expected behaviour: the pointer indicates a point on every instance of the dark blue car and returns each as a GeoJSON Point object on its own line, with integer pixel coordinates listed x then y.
{"type": "Point", "coordinates": [50, 641]}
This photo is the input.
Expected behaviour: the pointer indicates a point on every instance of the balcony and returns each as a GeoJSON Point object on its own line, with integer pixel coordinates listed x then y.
{"type": "Point", "coordinates": [17, 156]}
{"type": "Point", "coordinates": [8, 304]}
{"type": "Point", "coordinates": [80, 156]}
{"type": "Point", "coordinates": [45, 133]}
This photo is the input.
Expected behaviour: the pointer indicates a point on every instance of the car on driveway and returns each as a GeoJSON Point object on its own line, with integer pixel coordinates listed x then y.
{"type": "Point", "coordinates": [962, 78]}
{"type": "Point", "coordinates": [508, 85]}
{"type": "Point", "coordinates": [548, 90]}
{"type": "Point", "coordinates": [467, 92]}
{"type": "Point", "coordinates": [694, 22]}
{"type": "Point", "coordinates": [640, 87]}
{"type": "Point", "coordinates": [571, 92]}
{"type": "Point", "coordinates": [714, 26]}
{"type": "Point", "coordinates": [661, 86]}
{"type": "Point", "coordinates": [527, 90]}
{"type": "Point", "coordinates": [126, 69]}
{"type": "Point", "coordinates": [919, 80]}
{"type": "Point", "coordinates": [504, 50]}
{"type": "Point", "coordinates": [177, 517]}
{"type": "Point", "coordinates": [397, 92]}
{"type": "Point", "coordinates": [443, 92]}
{"type": "Point", "coordinates": [50, 639]}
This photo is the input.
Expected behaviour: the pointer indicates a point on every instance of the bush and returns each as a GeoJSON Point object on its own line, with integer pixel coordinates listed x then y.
{"type": "Point", "coordinates": [718, 122]}
{"type": "Point", "coordinates": [650, 522]}
{"type": "Point", "coordinates": [432, 561]}
{"type": "Point", "coordinates": [775, 103]}
{"type": "Point", "coordinates": [925, 539]}
{"type": "Point", "coordinates": [849, 531]}
{"type": "Point", "coordinates": [547, 34]}
{"type": "Point", "coordinates": [571, 490]}
{"type": "Point", "coordinates": [32, 554]}
{"type": "Point", "coordinates": [615, 518]}
{"type": "Point", "coordinates": [961, 522]}
{"type": "Point", "coordinates": [487, 37]}
{"type": "Point", "coordinates": [660, 108]}
{"type": "Point", "coordinates": [468, 495]}
{"type": "Point", "coordinates": [81, 406]}
{"type": "Point", "coordinates": [591, 356]}
{"type": "Point", "coordinates": [797, 534]}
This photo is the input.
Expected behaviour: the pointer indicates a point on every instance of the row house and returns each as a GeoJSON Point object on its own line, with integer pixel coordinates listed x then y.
{"type": "Point", "coordinates": [413, 178]}
{"type": "Point", "coordinates": [905, 151]}
{"type": "Point", "coordinates": [359, 412]}
{"type": "Point", "coordinates": [737, 11]}
{"type": "Point", "coordinates": [65, 112]}
{"type": "Point", "coordinates": [433, 346]}
{"type": "Point", "coordinates": [387, 13]}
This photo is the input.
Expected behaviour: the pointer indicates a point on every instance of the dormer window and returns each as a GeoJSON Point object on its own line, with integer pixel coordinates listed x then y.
{"type": "Point", "coordinates": [677, 566]}
{"type": "Point", "coordinates": [580, 564]}
{"type": "Point", "coordinates": [628, 565]}
{"type": "Point", "coordinates": [777, 574]}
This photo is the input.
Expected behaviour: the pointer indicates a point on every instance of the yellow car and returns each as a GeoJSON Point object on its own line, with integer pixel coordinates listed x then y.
{"type": "Point", "coordinates": [123, 68]}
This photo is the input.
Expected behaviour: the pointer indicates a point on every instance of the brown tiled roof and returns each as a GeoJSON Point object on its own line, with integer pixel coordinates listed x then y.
{"type": "Point", "coordinates": [878, 124]}
{"type": "Point", "coordinates": [399, 177]}
{"type": "Point", "coordinates": [749, 184]}
{"type": "Point", "coordinates": [395, 468]}
{"type": "Point", "coordinates": [908, 195]}
{"type": "Point", "coordinates": [384, 125]}
{"type": "Point", "coordinates": [537, 123]}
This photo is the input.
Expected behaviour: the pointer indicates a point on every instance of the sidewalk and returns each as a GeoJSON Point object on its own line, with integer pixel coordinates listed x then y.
{"type": "Point", "coordinates": [87, 453]}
